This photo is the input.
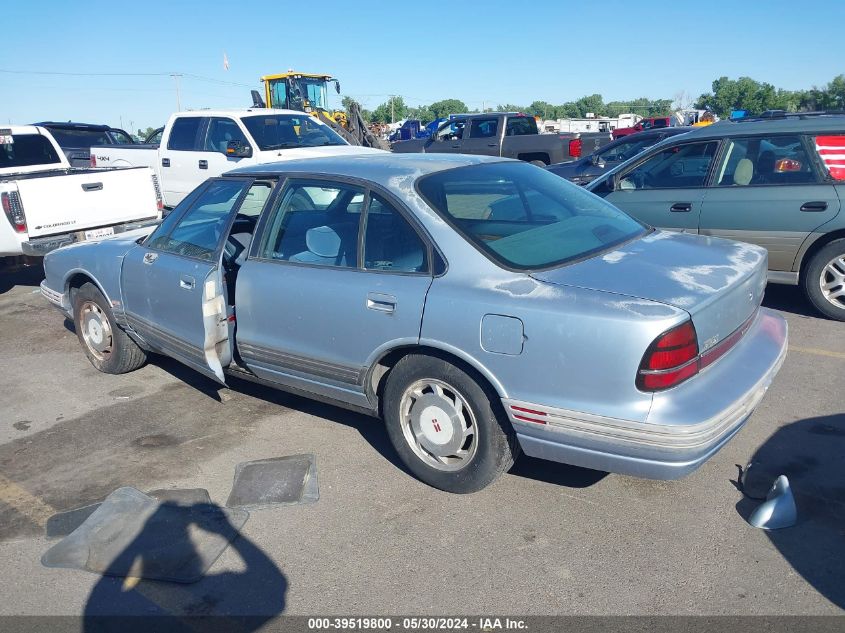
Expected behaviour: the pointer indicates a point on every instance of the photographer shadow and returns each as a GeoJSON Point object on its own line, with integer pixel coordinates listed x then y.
{"type": "Point", "coordinates": [242, 600]}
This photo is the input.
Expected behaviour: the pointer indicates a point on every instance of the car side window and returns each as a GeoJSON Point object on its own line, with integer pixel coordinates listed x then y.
{"type": "Point", "coordinates": [674, 167]}
{"type": "Point", "coordinates": [520, 126]}
{"type": "Point", "coordinates": [483, 128]}
{"type": "Point", "coordinates": [775, 160]}
{"type": "Point", "coordinates": [451, 130]}
{"type": "Point", "coordinates": [390, 242]}
{"type": "Point", "coordinates": [198, 232]}
{"type": "Point", "coordinates": [183, 133]}
{"type": "Point", "coordinates": [220, 131]}
{"type": "Point", "coordinates": [316, 223]}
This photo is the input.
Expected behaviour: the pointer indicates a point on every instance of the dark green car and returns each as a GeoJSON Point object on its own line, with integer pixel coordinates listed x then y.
{"type": "Point", "coordinates": [775, 182]}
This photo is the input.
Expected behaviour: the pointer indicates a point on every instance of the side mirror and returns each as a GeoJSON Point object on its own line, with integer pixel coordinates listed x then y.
{"type": "Point", "coordinates": [337, 86]}
{"type": "Point", "coordinates": [238, 149]}
{"type": "Point", "coordinates": [598, 161]}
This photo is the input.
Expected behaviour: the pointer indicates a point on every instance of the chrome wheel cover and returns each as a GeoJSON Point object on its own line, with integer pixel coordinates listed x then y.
{"type": "Point", "coordinates": [832, 281]}
{"type": "Point", "coordinates": [438, 424]}
{"type": "Point", "coordinates": [96, 330]}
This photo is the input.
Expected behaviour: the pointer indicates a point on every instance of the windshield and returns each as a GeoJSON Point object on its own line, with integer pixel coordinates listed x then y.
{"type": "Point", "coordinates": [21, 150]}
{"type": "Point", "coordinates": [524, 217]}
{"type": "Point", "coordinates": [284, 131]}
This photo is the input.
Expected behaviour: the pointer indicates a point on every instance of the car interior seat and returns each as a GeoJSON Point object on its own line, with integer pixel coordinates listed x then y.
{"type": "Point", "coordinates": [765, 167]}
{"type": "Point", "coordinates": [323, 244]}
{"type": "Point", "coordinates": [744, 172]}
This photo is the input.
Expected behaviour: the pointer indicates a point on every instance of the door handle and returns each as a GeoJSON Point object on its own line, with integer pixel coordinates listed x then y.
{"type": "Point", "coordinates": [187, 282]}
{"type": "Point", "coordinates": [92, 186]}
{"type": "Point", "coordinates": [492, 144]}
{"type": "Point", "coordinates": [165, 162]}
{"type": "Point", "coordinates": [149, 258]}
{"type": "Point", "coordinates": [381, 302]}
{"type": "Point", "coordinates": [203, 164]}
{"type": "Point", "coordinates": [816, 206]}
{"type": "Point", "coordinates": [456, 146]}
{"type": "Point", "coordinates": [681, 207]}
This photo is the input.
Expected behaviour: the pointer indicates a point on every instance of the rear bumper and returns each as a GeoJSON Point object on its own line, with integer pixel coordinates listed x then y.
{"type": "Point", "coordinates": [40, 246]}
{"type": "Point", "coordinates": [685, 426]}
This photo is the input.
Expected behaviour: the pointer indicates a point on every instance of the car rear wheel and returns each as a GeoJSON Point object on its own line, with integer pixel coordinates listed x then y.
{"type": "Point", "coordinates": [824, 280]}
{"type": "Point", "coordinates": [107, 346]}
{"type": "Point", "coordinates": [444, 425]}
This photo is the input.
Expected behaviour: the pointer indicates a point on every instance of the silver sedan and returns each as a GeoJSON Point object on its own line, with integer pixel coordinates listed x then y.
{"type": "Point", "coordinates": [479, 306]}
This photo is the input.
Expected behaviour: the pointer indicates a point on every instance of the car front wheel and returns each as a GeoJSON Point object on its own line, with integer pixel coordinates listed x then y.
{"type": "Point", "coordinates": [107, 346]}
{"type": "Point", "coordinates": [444, 425]}
{"type": "Point", "coordinates": [824, 280]}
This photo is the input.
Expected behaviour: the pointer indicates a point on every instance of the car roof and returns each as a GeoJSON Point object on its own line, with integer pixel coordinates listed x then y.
{"type": "Point", "coordinates": [239, 112]}
{"type": "Point", "coordinates": [794, 124]}
{"type": "Point", "coordinates": [72, 125]}
{"type": "Point", "coordinates": [384, 168]}
{"type": "Point", "coordinates": [20, 129]}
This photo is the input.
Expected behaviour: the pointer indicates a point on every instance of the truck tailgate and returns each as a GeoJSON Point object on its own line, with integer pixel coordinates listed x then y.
{"type": "Point", "coordinates": [76, 201]}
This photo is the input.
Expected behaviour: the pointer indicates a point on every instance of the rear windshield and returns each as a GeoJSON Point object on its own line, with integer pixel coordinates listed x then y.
{"type": "Point", "coordinates": [81, 138]}
{"type": "Point", "coordinates": [524, 217]}
{"type": "Point", "coordinates": [282, 131]}
{"type": "Point", "coordinates": [21, 150]}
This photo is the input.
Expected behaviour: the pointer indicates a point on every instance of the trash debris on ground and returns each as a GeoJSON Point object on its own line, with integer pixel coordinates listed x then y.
{"type": "Point", "coordinates": [132, 534]}
{"type": "Point", "coordinates": [778, 510]}
{"type": "Point", "coordinates": [277, 481]}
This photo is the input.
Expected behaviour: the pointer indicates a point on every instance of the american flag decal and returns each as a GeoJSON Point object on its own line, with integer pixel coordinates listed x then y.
{"type": "Point", "coordinates": [832, 152]}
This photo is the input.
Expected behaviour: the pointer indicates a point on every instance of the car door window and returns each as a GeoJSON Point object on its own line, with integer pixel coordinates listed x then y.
{"type": "Point", "coordinates": [775, 160]}
{"type": "Point", "coordinates": [198, 232]}
{"type": "Point", "coordinates": [483, 128]}
{"type": "Point", "coordinates": [520, 126]}
{"type": "Point", "coordinates": [390, 242]}
{"type": "Point", "coordinates": [183, 133]}
{"type": "Point", "coordinates": [220, 132]}
{"type": "Point", "coordinates": [451, 130]}
{"type": "Point", "coordinates": [316, 223]}
{"type": "Point", "coordinates": [678, 166]}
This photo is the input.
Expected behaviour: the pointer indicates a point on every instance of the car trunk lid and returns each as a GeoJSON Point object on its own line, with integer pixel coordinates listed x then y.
{"type": "Point", "coordinates": [720, 283]}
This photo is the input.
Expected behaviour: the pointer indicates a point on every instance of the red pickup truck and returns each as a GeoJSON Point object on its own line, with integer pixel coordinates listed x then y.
{"type": "Point", "coordinates": [643, 124]}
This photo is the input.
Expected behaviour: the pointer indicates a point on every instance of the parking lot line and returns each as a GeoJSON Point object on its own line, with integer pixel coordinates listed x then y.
{"type": "Point", "coordinates": [817, 352]}
{"type": "Point", "coordinates": [25, 502]}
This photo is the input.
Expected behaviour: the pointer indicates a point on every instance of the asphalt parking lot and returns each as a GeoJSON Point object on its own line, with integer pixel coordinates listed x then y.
{"type": "Point", "coordinates": [545, 539]}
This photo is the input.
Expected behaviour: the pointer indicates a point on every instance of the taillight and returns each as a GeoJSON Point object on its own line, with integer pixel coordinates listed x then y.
{"type": "Point", "coordinates": [13, 209]}
{"type": "Point", "coordinates": [93, 160]}
{"type": "Point", "coordinates": [670, 359]}
{"type": "Point", "coordinates": [575, 148]}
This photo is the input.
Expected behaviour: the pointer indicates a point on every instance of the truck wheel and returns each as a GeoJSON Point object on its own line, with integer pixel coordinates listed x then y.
{"type": "Point", "coordinates": [444, 425]}
{"type": "Point", "coordinates": [824, 280]}
{"type": "Point", "coordinates": [107, 346]}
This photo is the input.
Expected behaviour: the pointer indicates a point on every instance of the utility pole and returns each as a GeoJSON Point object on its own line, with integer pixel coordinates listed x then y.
{"type": "Point", "coordinates": [392, 104]}
{"type": "Point", "coordinates": [176, 77]}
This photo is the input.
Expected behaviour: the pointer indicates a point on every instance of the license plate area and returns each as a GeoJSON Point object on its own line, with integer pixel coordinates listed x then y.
{"type": "Point", "coordinates": [98, 234]}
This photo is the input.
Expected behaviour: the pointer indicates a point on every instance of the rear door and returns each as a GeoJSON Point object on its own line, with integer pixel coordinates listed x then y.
{"type": "Point", "coordinates": [666, 188]}
{"type": "Point", "coordinates": [180, 172]}
{"type": "Point", "coordinates": [484, 137]}
{"type": "Point", "coordinates": [767, 190]}
{"type": "Point", "coordinates": [172, 284]}
{"type": "Point", "coordinates": [329, 286]}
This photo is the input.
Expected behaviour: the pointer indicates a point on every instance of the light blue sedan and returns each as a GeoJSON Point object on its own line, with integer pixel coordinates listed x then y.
{"type": "Point", "coordinates": [479, 306]}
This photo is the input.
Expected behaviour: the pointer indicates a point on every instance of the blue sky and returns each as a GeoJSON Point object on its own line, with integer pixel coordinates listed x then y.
{"type": "Point", "coordinates": [485, 52]}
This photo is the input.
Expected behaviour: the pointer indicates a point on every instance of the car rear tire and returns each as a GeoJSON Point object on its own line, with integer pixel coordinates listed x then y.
{"type": "Point", "coordinates": [107, 346]}
{"type": "Point", "coordinates": [824, 280]}
{"type": "Point", "coordinates": [444, 425]}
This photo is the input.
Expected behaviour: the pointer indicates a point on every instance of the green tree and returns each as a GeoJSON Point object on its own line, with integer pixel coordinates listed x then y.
{"type": "Point", "coordinates": [423, 113]}
{"type": "Point", "coordinates": [442, 109]}
{"type": "Point", "coordinates": [543, 109]}
{"type": "Point", "coordinates": [830, 97]}
{"type": "Point", "coordinates": [509, 107]}
{"type": "Point", "coordinates": [746, 94]}
{"type": "Point", "coordinates": [392, 110]}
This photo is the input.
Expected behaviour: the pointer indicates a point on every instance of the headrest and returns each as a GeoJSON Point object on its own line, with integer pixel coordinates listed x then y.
{"type": "Point", "coordinates": [744, 172]}
{"type": "Point", "coordinates": [323, 241]}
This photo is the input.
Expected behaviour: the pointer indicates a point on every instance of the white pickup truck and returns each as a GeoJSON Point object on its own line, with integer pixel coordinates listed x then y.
{"type": "Point", "coordinates": [203, 144]}
{"type": "Point", "coordinates": [48, 204]}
